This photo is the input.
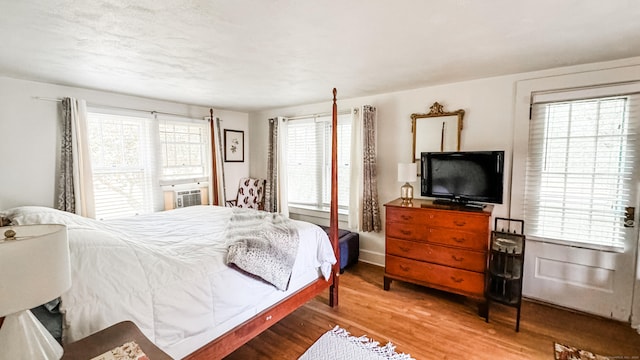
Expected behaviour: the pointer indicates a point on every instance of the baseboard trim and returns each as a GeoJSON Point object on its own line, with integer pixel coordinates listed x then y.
{"type": "Point", "coordinates": [371, 257]}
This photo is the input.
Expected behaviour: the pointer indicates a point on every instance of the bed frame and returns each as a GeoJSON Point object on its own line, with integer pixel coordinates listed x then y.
{"type": "Point", "coordinates": [238, 336]}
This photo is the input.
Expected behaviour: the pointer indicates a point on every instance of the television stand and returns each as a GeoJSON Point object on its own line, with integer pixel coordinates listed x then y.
{"type": "Point", "coordinates": [475, 205]}
{"type": "Point", "coordinates": [445, 202]}
{"type": "Point", "coordinates": [460, 204]}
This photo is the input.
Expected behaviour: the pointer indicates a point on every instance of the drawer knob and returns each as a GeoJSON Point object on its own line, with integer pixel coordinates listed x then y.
{"type": "Point", "coordinates": [457, 258]}
{"type": "Point", "coordinates": [405, 249]}
{"type": "Point", "coordinates": [406, 217]}
{"type": "Point", "coordinates": [457, 280]}
{"type": "Point", "coordinates": [458, 240]}
{"type": "Point", "coordinates": [459, 222]}
{"type": "Point", "coordinates": [406, 232]}
{"type": "Point", "coordinates": [404, 267]}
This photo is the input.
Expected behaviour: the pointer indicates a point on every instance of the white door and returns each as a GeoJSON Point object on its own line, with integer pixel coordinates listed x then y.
{"type": "Point", "coordinates": [596, 282]}
{"type": "Point", "coordinates": [582, 176]}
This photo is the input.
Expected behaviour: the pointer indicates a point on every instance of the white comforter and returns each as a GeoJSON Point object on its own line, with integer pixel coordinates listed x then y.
{"type": "Point", "coordinates": [165, 272]}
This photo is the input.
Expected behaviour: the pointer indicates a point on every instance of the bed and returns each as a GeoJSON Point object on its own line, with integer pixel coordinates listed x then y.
{"type": "Point", "coordinates": [168, 273]}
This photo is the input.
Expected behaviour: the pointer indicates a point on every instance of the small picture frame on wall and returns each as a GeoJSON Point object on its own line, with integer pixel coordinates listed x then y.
{"type": "Point", "coordinates": [233, 145]}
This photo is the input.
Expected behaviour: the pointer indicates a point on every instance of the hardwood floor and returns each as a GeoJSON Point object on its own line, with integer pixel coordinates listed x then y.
{"type": "Point", "coordinates": [429, 324]}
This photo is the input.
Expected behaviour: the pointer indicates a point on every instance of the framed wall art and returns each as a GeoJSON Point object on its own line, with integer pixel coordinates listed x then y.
{"type": "Point", "coordinates": [233, 145]}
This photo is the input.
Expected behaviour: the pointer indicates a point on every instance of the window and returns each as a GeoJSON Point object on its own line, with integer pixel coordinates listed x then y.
{"type": "Point", "coordinates": [579, 169]}
{"type": "Point", "coordinates": [120, 148]}
{"type": "Point", "coordinates": [309, 162]}
{"type": "Point", "coordinates": [127, 173]}
{"type": "Point", "coordinates": [184, 149]}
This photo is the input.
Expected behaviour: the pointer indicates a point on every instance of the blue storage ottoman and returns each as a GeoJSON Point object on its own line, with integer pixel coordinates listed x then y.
{"type": "Point", "coordinates": [349, 247]}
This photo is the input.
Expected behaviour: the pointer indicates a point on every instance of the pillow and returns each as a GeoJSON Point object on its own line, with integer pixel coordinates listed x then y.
{"type": "Point", "coordinates": [31, 215]}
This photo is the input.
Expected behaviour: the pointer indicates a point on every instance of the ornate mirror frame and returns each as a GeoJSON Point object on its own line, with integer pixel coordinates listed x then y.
{"type": "Point", "coordinates": [424, 125]}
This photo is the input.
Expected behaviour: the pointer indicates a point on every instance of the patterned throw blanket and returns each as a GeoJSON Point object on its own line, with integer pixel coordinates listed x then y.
{"type": "Point", "coordinates": [263, 244]}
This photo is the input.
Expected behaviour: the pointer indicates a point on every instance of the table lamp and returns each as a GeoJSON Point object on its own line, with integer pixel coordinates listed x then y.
{"type": "Point", "coordinates": [34, 269]}
{"type": "Point", "coordinates": [407, 172]}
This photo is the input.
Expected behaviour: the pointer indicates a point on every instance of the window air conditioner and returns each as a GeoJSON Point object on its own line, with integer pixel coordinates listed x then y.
{"type": "Point", "coordinates": [186, 198]}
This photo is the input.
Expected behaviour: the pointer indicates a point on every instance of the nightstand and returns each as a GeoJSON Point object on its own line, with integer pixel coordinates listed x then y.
{"type": "Point", "coordinates": [109, 338]}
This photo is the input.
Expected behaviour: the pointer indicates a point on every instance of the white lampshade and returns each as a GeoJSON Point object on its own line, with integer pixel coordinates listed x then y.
{"type": "Point", "coordinates": [407, 172]}
{"type": "Point", "coordinates": [34, 269]}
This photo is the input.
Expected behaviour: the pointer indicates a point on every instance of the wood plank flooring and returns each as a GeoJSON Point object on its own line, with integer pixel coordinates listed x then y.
{"type": "Point", "coordinates": [429, 324]}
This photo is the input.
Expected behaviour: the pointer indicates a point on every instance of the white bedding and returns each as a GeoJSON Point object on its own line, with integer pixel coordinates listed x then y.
{"type": "Point", "coordinates": [166, 272]}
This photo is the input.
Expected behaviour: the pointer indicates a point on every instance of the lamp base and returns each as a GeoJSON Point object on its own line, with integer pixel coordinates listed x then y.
{"type": "Point", "coordinates": [406, 194]}
{"type": "Point", "coordinates": [22, 336]}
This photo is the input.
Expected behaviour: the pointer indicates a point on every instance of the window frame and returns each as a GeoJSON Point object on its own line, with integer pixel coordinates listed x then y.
{"type": "Point", "coordinates": [323, 137]}
{"type": "Point", "coordinates": [151, 159]}
{"type": "Point", "coordinates": [205, 153]}
{"type": "Point", "coordinates": [623, 150]}
{"type": "Point", "coordinates": [604, 81]}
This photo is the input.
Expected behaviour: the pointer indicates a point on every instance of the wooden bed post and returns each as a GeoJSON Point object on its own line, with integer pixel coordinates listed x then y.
{"type": "Point", "coordinates": [214, 170]}
{"type": "Point", "coordinates": [333, 216]}
{"type": "Point", "coordinates": [226, 343]}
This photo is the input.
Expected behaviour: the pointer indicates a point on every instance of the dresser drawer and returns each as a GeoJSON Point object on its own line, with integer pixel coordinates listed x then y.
{"type": "Point", "coordinates": [455, 220]}
{"type": "Point", "coordinates": [408, 215]}
{"type": "Point", "coordinates": [458, 258]}
{"type": "Point", "coordinates": [463, 239]}
{"type": "Point", "coordinates": [460, 221]}
{"type": "Point", "coordinates": [464, 281]}
{"type": "Point", "coordinates": [412, 231]}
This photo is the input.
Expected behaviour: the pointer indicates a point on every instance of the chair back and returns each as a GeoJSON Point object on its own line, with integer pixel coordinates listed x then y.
{"type": "Point", "coordinates": [251, 193]}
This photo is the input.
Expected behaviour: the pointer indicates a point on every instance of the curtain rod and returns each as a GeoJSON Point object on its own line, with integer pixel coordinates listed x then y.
{"type": "Point", "coordinates": [47, 99]}
{"type": "Point", "coordinates": [116, 107]}
{"type": "Point", "coordinates": [344, 112]}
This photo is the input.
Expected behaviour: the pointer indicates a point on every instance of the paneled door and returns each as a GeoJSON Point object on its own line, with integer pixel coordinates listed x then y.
{"type": "Point", "coordinates": [581, 186]}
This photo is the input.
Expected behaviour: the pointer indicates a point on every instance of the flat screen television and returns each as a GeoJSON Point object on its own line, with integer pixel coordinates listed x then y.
{"type": "Point", "coordinates": [463, 177]}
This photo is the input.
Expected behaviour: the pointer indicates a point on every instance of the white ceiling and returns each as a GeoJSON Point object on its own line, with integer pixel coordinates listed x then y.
{"type": "Point", "coordinates": [255, 54]}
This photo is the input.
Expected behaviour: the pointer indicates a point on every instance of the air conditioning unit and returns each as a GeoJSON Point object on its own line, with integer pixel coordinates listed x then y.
{"type": "Point", "coordinates": [186, 198]}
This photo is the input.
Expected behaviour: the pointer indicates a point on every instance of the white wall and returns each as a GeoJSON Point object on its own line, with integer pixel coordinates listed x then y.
{"type": "Point", "coordinates": [233, 171]}
{"type": "Point", "coordinates": [30, 136]}
{"type": "Point", "coordinates": [488, 125]}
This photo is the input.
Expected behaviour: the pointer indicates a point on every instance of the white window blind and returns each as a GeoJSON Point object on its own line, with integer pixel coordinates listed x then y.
{"type": "Point", "coordinates": [309, 161]}
{"type": "Point", "coordinates": [122, 161]}
{"type": "Point", "coordinates": [133, 154]}
{"type": "Point", "coordinates": [580, 164]}
{"type": "Point", "coordinates": [184, 149]}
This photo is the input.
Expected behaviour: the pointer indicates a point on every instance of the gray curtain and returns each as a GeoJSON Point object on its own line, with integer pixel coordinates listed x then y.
{"type": "Point", "coordinates": [271, 189]}
{"type": "Point", "coordinates": [371, 220]}
{"type": "Point", "coordinates": [75, 180]}
{"type": "Point", "coordinates": [66, 195]}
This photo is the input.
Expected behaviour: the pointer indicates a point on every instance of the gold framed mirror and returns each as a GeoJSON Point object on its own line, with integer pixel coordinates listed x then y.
{"type": "Point", "coordinates": [437, 130]}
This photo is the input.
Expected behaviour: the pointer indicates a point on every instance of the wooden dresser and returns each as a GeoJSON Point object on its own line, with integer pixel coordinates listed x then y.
{"type": "Point", "coordinates": [440, 246]}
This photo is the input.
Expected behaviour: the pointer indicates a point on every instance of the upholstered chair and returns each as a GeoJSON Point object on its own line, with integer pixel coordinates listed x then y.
{"type": "Point", "coordinates": [250, 194]}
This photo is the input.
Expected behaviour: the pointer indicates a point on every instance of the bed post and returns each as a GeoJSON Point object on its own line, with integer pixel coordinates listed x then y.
{"type": "Point", "coordinates": [333, 216]}
{"type": "Point", "coordinates": [228, 342]}
{"type": "Point", "coordinates": [214, 170]}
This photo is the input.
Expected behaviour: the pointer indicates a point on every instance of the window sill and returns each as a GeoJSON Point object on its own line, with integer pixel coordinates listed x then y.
{"type": "Point", "coordinates": [581, 245]}
{"type": "Point", "coordinates": [343, 215]}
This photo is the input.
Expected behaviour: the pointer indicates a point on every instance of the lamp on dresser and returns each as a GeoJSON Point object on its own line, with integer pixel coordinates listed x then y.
{"type": "Point", "coordinates": [34, 269]}
{"type": "Point", "coordinates": [407, 173]}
